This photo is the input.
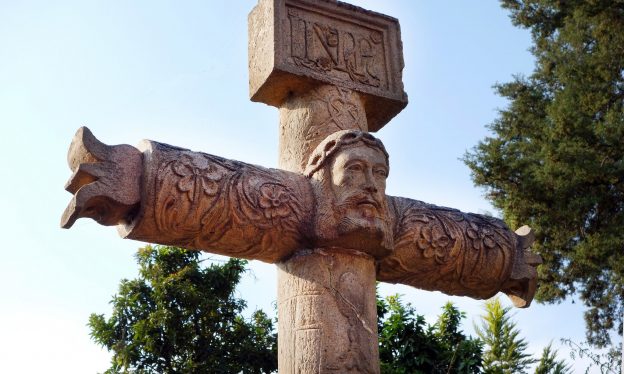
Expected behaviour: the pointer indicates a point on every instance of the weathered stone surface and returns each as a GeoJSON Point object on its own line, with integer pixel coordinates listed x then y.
{"type": "Point", "coordinates": [464, 254]}
{"type": "Point", "coordinates": [296, 45]}
{"type": "Point", "coordinates": [522, 283]}
{"type": "Point", "coordinates": [327, 313]}
{"type": "Point", "coordinates": [200, 201]}
{"type": "Point", "coordinates": [307, 119]}
{"type": "Point", "coordinates": [105, 181]}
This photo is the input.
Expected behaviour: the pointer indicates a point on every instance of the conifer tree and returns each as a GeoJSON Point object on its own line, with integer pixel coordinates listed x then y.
{"type": "Point", "coordinates": [550, 364]}
{"type": "Point", "coordinates": [555, 160]}
{"type": "Point", "coordinates": [504, 350]}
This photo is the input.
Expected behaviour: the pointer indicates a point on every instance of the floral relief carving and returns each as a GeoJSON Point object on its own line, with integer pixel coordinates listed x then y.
{"type": "Point", "coordinates": [445, 249]}
{"type": "Point", "coordinates": [195, 179]}
{"type": "Point", "coordinates": [210, 203]}
{"type": "Point", "coordinates": [433, 241]}
{"type": "Point", "coordinates": [480, 237]}
{"type": "Point", "coordinates": [274, 200]}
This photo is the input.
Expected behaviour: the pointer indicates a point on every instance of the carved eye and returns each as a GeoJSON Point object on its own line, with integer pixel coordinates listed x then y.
{"type": "Point", "coordinates": [354, 167]}
{"type": "Point", "coordinates": [381, 173]}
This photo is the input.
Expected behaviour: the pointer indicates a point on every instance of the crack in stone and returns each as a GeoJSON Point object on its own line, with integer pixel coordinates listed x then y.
{"type": "Point", "coordinates": [335, 291]}
{"type": "Point", "coordinates": [358, 315]}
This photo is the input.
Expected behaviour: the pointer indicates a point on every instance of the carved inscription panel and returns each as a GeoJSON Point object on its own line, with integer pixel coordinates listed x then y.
{"type": "Point", "coordinates": [343, 50]}
{"type": "Point", "coordinates": [297, 45]}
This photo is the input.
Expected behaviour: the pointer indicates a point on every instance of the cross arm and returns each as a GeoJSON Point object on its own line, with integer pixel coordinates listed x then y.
{"type": "Point", "coordinates": [463, 254]}
{"type": "Point", "coordinates": [188, 199]}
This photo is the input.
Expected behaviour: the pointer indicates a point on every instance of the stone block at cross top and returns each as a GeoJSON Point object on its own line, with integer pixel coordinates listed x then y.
{"type": "Point", "coordinates": [295, 45]}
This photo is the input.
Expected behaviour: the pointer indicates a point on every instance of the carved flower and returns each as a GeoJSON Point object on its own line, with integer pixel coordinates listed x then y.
{"type": "Point", "coordinates": [481, 237]}
{"type": "Point", "coordinates": [433, 241]}
{"type": "Point", "coordinates": [274, 201]}
{"type": "Point", "coordinates": [195, 179]}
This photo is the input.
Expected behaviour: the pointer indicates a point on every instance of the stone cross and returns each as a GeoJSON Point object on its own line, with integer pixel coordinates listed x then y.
{"type": "Point", "coordinates": [334, 71]}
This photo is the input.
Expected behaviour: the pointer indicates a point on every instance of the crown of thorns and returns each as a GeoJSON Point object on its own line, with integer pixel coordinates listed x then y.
{"type": "Point", "coordinates": [334, 142]}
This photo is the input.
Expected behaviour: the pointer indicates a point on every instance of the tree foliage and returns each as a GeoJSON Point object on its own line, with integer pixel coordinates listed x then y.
{"type": "Point", "coordinates": [550, 364]}
{"type": "Point", "coordinates": [505, 352]}
{"type": "Point", "coordinates": [556, 157]}
{"type": "Point", "coordinates": [407, 344]}
{"type": "Point", "coordinates": [180, 317]}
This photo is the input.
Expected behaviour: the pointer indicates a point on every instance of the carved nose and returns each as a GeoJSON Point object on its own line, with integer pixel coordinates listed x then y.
{"type": "Point", "coordinates": [370, 188]}
{"type": "Point", "coordinates": [369, 185]}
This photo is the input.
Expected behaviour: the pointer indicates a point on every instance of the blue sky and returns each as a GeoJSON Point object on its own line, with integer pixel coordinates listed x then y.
{"type": "Point", "coordinates": [176, 72]}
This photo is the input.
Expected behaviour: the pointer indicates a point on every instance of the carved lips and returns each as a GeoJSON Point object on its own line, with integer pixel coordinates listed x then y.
{"type": "Point", "coordinates": [369, 207]}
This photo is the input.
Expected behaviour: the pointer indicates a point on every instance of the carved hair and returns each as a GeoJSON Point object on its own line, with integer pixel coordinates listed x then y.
{"type": "Point", "coordinates": [337, 141]}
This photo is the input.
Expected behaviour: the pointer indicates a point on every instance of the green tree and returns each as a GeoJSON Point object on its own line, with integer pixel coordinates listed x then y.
{"type": "Point", "coordinates": [180, 317]}
{"type": "Point", "coordinates": [505, 352]}
{"type": "Point", "coordinates": [407, 344]}
{"type": "Point", "coordinates": [550, 364]}
{"type": "Point", "coordinates": [556, 157]}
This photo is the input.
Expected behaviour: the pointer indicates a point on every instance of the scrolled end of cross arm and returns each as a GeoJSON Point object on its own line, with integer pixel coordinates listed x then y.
{"type": "Point", "coordinates": [521, 285]}
{"type": "Point", "coordinates": [105, 180]}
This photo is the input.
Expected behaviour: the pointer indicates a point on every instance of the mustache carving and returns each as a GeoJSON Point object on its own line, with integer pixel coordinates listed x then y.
{"type": "Point", "coordinates": [359, 211]}
{"type": "Point", "coordinates": [342, 219]}
{"type": "Point", "coordinates": [362, 198]}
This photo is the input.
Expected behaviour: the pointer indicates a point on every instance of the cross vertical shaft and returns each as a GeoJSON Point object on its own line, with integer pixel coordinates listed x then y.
{"type": "Point", "coordinates": [326, 296]}
{"type": "Point", "coordinates": [327, 313]}
{"type": "Point", "coordinates": [324, 64]}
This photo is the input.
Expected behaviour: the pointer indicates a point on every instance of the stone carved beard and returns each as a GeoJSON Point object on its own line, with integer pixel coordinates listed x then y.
{"type": "Point", "coordinates": [340, 222]}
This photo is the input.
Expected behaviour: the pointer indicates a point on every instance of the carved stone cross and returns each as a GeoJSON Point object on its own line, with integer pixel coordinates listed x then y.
{"type": "Point", "coordinates": [334, 71]}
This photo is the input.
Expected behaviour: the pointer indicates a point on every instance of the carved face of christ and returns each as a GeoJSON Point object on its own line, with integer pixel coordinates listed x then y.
{"type": "Point", "coordinates": [352, 207]}
{"type": "Point", "coordinates": [358, 176]}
